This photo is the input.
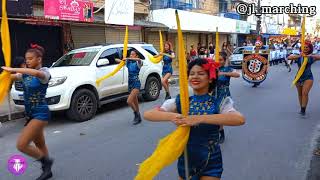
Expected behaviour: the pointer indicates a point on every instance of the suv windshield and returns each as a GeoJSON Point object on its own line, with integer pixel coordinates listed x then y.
{"type": "Point", "coordinates": [150, 49]}
{"type": "Point", "coordinates": [77, 58]}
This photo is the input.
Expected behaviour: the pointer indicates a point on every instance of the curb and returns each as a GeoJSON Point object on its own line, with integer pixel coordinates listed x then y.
{"type": "Point", "coordinates": [14, 116]}
{"type": "Point", "coordinates": [313, 172]}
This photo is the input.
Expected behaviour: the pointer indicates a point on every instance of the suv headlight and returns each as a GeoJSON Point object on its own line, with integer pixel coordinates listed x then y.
{"type": "Point", "coordinates": [57, 81]}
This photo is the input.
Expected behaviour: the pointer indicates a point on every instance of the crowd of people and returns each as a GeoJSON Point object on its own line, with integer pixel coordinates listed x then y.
{"type": "Point", "coordinates": [203, 51]}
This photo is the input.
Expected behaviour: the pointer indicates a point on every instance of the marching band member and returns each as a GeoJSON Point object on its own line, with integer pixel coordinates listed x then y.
{"type": "Point", "coordinates": [305, 82]}
{"type": "Point", "coordinates": [35, 80]}
{"type": "Point", "coordinates": [223, 83]}
{"type": "Point", "coordinates": [134, 64]}
{"type": "Point", "coordinates": [167, 70]}
{"type": "Point", "coordinates": [204, 154]}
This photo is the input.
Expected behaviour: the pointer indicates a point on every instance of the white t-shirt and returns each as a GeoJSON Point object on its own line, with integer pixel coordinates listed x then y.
{"type": "Point", "coordinates": [46, 78]}
{"type": "Point", "coordinates": [226, 106]}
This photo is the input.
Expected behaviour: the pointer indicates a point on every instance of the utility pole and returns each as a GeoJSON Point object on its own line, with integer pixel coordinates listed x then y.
{"type": "Point", "coordinates": [259, 19]}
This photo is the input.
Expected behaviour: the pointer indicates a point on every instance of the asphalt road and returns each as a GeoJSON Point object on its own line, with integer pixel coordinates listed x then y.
{"type": "Point", "coordinates": [274, 144]}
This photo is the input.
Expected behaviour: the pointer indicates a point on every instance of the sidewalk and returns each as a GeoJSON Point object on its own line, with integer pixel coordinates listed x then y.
{"type": "Point", "coordinates": [314, 172]}
{"type": "Point", "coordinates": [4, 111]}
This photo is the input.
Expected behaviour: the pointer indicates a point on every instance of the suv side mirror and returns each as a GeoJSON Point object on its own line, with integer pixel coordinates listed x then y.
{"type": "Point", "coordinates": [103, 62]}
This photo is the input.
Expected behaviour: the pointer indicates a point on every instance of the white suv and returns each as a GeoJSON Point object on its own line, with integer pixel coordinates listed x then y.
{"type": "Point", "coordinates": [73, 80]}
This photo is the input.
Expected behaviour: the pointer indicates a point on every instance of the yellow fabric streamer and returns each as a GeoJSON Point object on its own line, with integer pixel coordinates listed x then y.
{"type": "Point", "coordinates": [155, 60]}
{"type": "Point", "coordinates": [161, 42]}
{"type": "Point", "coordinates": [172, 146]}
{"type": "Point", "coordinates": [305, 59]}
{"type": "Point", "coordinates": [125, 51]}
{"type": "Point", "coordinates": [5, 77]}
{"type": "Point", "coordinates": [120, 65]}
{"type": "Point", "coordinates": [217, 46]}
{"type": "Point", "coordinates": [158, 59]}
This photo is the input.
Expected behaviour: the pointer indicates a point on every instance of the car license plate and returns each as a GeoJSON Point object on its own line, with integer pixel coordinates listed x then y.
{"type": "Point", "coordinates": [20, 97]}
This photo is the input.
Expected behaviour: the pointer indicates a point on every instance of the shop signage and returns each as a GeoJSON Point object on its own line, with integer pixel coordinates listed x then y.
{"type": "Point", "coordinates": [18, 7]}
{"type": "Point", "coordinates": [120, 12]}
{"type": "Point", "coordinates": [243, 27]}
{"type": "Point", "coordinates": [71, 10]}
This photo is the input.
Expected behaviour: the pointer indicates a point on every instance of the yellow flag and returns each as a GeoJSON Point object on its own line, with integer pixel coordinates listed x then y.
{"type": "Point", "coordinates": [172, 146]}
{"type": "Point", "coordinates": [183, 77]}
{"type": "Point", "coordinates": [122, 63]}
{"type": "Point", "coordinates": [5, 77]}
{"type": "Point", "coordinates": [161, 42]}
{"type": "Point", "coordinates": [217, 46]}
{"type": "Point", "coordinates": [158, 59]}
{"type": "Point", "coordinates": [125, 43]}
{"type": "Point", "coordinates": [155, 60]}
{"type": "Point", "coordinates": [125, 51]}
{"type": "Point", "coordinates": [305, 59]}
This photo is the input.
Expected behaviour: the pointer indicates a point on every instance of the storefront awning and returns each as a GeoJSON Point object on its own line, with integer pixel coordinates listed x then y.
{"type": "Point", "coordinates": [197, 22]}
{"type": "Point", "coordinates": [266, 35]}
{"type": "Point", "coordinates": [150, 24]}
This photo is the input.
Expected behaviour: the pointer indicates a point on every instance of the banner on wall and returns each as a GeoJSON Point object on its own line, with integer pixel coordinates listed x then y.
{"type": "Point", "coordinates": [120, 12]}
{"type": "Point", "coordinates": [243, 27]}
{"type": "Point", "coordinates": [71, 10]}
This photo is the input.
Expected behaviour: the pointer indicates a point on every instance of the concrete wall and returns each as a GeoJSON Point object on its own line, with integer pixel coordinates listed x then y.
{"type": "Point", "coordinates": [210, 7]}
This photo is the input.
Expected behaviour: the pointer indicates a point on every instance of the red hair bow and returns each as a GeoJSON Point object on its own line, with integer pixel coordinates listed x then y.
{"type": "Point", "coordinates": [34, 46]}
{"type": "Point", "coordinates": [212, 67]}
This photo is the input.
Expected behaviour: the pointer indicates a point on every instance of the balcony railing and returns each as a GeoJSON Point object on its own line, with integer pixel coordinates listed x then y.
{"type": "Point", "coordinates": [175, 4]}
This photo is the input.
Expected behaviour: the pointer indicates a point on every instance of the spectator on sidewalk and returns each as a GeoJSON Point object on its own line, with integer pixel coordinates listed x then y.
{"type": "Point", "coordinates": [203, 52]}
{"type": "Point", "coordinates": [211, 50]}
{"type": "Point", "coordinates": [193, 52]}
{"type": "Point", "coordinates": [19, 62]}
{"type": "Point", "coordinates": [198, 48]}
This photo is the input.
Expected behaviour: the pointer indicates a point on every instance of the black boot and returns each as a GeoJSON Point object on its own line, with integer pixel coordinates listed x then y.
{"type": "Point", "coordinates": [137, 118]}
{"type": "Point", "coordinates": [167, 96]}
{"type": "Point", "coordinates": [221, 137]}
{"type": "Point", "coordinates": [303, 111]}
{"type": "Point", "coordinates": [46, 168]}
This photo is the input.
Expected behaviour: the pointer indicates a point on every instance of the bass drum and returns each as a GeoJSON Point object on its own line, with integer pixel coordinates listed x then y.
{"type": "Point", "coordinates": [255, 67]}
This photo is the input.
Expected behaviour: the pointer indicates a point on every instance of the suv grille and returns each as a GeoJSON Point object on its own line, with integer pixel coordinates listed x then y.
{"type": "Point", "coordinates": [18, 85]}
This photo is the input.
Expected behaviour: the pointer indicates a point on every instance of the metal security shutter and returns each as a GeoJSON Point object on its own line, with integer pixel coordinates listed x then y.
{"type": "Point", "coordinates": [192, 39]}
{"type": "Point", "coordinates": [222, 39]}
{"type": "Point", "coordinates": [153, 38]}
{"type": "Point", "coordinates": [211, 38]}
{"type": "Point", "coordinates": [87, 35]}
{"type": "Point", "coordinates": [203, 39]}
{"type": "Point", "coordinates": [115, 36]}
{"type": "Point", "coordinates": [134, 36]}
